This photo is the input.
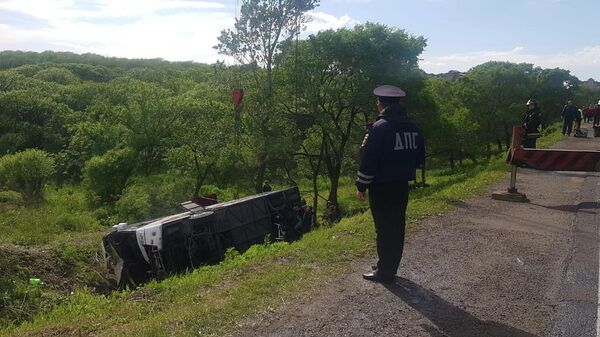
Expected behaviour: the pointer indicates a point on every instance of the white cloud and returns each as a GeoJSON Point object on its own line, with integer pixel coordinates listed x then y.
{"type": "Point", "coordinates": [56, 10]}
{"type": "Point", "coordinates": [323, 21]}
{"type": "Point", "coordinates": [176, 30]}
{"type": "Point", "coordinates": [584, 62]}
{"type": "Point", "coordinates": [173, 30]}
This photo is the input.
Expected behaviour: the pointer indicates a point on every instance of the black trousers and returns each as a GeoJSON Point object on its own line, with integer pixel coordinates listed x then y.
{"type": "Point", "coordinates": [567, 127]}
{"type": "Point", "coordinates": [388, 206]}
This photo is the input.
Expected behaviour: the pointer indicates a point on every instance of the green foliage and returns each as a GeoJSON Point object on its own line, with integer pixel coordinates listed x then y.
{"type": "Point", "coordinates": [13, 59]}
{"type": "Point", "coordinates": [10, 198]}
{"type": "Point", "coordinates": [66, 210]}
{"type": "Point", "coordinates": [300, 118]}
{"type": "Point", "coordinates": [57, 75]}
{"type": "Point", "coordinates": [19, 302]}
{"type": "Point", "coordinates": [552, 89]}
{"type": "Point", "coordinates": [27, 173]}
{"type": "Point", "coordinates": [451, 131]}
{"type": "Point", "coordinates": [203, 131]}
{"type": "Point", "coordinates": [153, 196]}
{"type": "Point", "coordinates": [257, 41]}
{"type": "Point", "coordinates": [107, 174]}
{"type": "Point", "coordinates": [334, 81]}
{"type": "Point", "coordinates": [31, 120]}
{"type": "Point", "coordinates": [586, 95]}
{"type": "Point", "coordinates": [261, 27]}
{"type": "Point", "coordinates": [135, 204]}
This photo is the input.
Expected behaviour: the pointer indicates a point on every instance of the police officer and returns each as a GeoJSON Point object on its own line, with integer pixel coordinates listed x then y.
{"type": "Point", "coordinates": [389, 155]}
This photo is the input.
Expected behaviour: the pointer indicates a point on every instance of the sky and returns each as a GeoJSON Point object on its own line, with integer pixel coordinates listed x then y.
{"type": "Point", "coordinates": [460, 33]}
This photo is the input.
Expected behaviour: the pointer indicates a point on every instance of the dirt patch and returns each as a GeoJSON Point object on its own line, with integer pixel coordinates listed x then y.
{"type": "Point", "coordinates": [44, 263]}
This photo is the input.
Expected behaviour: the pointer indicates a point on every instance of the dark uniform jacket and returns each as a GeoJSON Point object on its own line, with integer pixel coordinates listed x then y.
{"type": "Point", "coordinates": [532, 121]}
{"type": "Point", "coordinates": [391, 151]}
{"type": "Point", "coordinates": [569, 113]}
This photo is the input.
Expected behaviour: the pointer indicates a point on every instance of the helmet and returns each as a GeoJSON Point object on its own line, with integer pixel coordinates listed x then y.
{"type": "Point", "coordinates": [531, 101]}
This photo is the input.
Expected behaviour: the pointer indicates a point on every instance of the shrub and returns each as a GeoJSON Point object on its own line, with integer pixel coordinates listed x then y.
{"type": "Point", "coordinates": [135, 204]}
{"type": "Point", "coordinates": [10, 197]}
{"type": "Point", "coordinates": [153, 196]}
{"type": "Point", "coordinates": [27, 173]}
{"type": "Point", "coordinates": [57, 75]}
{"type": "Point", "coordinates": [107, 175]}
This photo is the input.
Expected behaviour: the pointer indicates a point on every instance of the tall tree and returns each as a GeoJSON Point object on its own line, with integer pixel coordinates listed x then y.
{"type": "Point", "coordinates": [259, 31]}
{"type": "Point", "coordinates": [496, 93]}
{"type": "Point", "coordinates": [452, 130]}
{"type": "Point", "coordinates": [202, 133]}
{"type": "Point", "coordinates": [29, 119]}
{"type": "Point", "coordinates": [337, 73]}
{"type": "Point", "coordinates": [552, 89]}
{"type": "Point", "coordinates": [256, 39]}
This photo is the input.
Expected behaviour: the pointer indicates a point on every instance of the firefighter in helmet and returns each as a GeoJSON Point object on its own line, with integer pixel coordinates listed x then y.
{"type": "Point", "coordinates": [531, 123]}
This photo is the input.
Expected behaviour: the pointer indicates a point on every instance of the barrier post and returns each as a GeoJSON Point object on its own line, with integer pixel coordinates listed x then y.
{"type": "Point", "coordinates": [512, 194]}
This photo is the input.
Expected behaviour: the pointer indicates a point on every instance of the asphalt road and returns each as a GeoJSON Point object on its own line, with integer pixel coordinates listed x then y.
{"type": "Point", "coordinates": [486, 268]}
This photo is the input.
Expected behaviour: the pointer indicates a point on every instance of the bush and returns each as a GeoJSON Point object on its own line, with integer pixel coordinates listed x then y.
{"type": "Point", "coordinates": [153, 196]}
{"type": "Point", "coordinates": [107, 175]}
{"type": "Point", "coordinates": [10, 197]}
{"type": "Point", "coordinates": [135, 204]}
{"type": "Point", "coordinates": [57, 75]}
{"type": "Point", "coordinates": [27, 173]}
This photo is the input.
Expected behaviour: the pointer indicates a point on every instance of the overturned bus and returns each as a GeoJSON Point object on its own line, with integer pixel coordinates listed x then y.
{"type": "Point", "coordinates": [134, 253]}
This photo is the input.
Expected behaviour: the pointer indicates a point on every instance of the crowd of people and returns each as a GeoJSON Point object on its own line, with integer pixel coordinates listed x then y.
{"type": "Point", "coordinates": [591, 114]}
{"type": "Point", "coordinates": [572, 114]}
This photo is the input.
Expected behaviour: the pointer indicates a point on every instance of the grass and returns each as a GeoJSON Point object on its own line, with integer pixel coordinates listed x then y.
{"type": "Point", "coordinates": [210, 301]}
{"type": "Point", "coordinates": [65, 211]}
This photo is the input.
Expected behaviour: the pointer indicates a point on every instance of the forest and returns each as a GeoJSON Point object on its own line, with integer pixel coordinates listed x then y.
{"type": "Point", "coordinates": [88, 141]}
{"type": "Point", "coordinates": [140, 136]}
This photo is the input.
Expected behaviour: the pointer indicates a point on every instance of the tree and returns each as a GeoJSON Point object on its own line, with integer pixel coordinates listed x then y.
{"type": "Point", "coordinates": [496, 93]}
{"type": "Point", "coordinates": [452, 131]}
{"type": "Point", "coordinates": [30, 119]}
{"type": "Point", "coordinates": [146, 110]}
{"type": "Point", "coordinates": [26, 172]}
{"type": "Point", "coordinates": [57, 75]}
{"type": "Point", "coordinates": [335, 78]}
{"type": "Point", "coordinates": [89, 139]}
{"type": "Point", "coordinates": [106, 175]}
{"type": "Point", "coordinates": [202, 134]}
{"type": "Point", "coordinates": [261, 28]}
{"type": "Point", "coordinates": [585, 96]}
{"type": "Point", "coordinates": [256, 39]}
{"type": "Point", "coordinates": [552, 89]}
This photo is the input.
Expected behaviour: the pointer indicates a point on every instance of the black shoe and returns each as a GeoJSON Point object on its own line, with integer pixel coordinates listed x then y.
{"type": "Point", "coordinates": [377, 277]}
{"type": "Point", "coordinates": [374, 268]}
